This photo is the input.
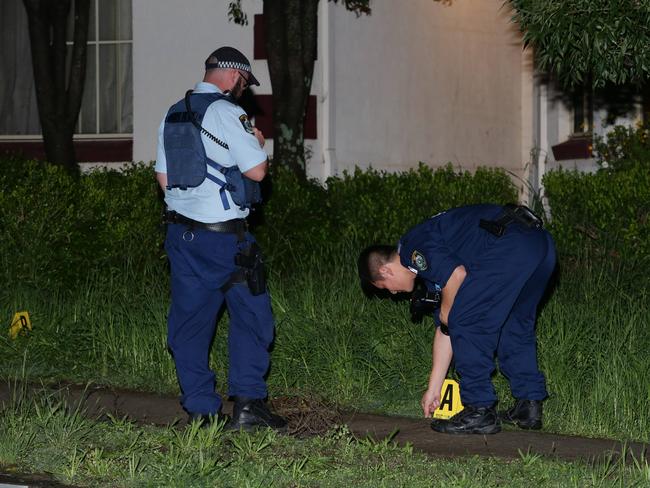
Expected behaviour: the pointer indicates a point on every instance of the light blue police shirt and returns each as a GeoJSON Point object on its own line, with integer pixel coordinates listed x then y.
{"type": "Point", "coordinates": [203, 202]}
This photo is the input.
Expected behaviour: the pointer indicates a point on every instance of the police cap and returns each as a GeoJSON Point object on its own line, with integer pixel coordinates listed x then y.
{"type": "Point", "coordinates": [229, 57]}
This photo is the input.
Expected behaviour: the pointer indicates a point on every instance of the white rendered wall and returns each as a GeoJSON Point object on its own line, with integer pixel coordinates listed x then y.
{"type": "Point", "coordinates": [422, 81]}
{"type": "Point", "coordinates": [171, 40]}
{"type": "Point", "coordinates": [414, 81]}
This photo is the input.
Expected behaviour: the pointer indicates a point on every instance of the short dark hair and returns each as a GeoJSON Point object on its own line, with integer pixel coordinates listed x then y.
{"type": "Point", "coordinates": [371, 259]}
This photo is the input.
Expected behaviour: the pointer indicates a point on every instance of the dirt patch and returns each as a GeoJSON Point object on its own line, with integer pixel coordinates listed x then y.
{"type": "Point", "coordinates": [307, 416]}
{"type": "Point", "coordinates": [30, 480]}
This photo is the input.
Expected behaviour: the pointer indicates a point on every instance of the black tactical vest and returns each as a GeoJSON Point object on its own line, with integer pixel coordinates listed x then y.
{"type": "Point", "coordinates": [187, 162]}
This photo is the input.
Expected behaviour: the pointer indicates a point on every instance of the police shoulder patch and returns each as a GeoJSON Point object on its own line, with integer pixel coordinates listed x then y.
{"type": "Point", "coordinates": [246, 124]}
{"type": "Point", "coordinates": [419, 261]}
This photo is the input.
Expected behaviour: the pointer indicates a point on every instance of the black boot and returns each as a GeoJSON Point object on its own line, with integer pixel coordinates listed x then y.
{"type": "Point", "coordinates": [526, 414]}
{"type": "Point", "coordinates": [252, 413]}
{"type": "Point", "coordinates": [470, 420]}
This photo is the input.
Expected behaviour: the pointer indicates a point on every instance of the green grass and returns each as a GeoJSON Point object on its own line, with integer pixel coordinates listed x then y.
{"type": "Point", "coordinates": [331, 341]}
{"type": "Point", "coordinates": [106, 332]}
{"type": "Point", "coordinates": [39, 434]}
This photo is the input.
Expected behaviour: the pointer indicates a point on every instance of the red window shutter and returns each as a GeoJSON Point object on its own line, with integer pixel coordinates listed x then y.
{"type": "Point", "coordinates": [264, 119]}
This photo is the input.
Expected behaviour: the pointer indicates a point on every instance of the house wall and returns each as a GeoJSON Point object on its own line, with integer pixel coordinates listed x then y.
{"type": "Point", "coordinates": [171, 41]}
{"type": "Point", "coordinates": [414, 81]}
{"type": "Point", "coordinates": [433, 83]}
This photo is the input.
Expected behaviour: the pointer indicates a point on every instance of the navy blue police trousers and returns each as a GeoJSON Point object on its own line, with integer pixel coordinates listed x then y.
{"type": "Point", "coordinates": [494, 313]}
{"type": "Point", "coordinates": [201, 263]}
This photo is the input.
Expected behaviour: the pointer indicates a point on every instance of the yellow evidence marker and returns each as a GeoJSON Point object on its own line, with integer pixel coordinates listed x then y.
{"type": "Point", "coordinates": [450, 403]}
{"type": "Point", "coordinates": [20, 323]}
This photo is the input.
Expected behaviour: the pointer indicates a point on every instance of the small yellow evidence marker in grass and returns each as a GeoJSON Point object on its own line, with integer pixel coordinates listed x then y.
{"type": "Point", "coordinates": [20, 323]}
{"type": "Point", "coordinates": [450, 403]}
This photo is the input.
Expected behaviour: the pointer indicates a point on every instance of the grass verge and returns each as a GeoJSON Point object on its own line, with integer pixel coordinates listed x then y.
{"type": "Point", "coordinates": [332, 342]}
{"type": "Point", "coordinates": [39, 434]}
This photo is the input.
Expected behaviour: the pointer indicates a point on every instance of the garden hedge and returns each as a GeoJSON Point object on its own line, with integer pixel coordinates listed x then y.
{"type": "Point", "coordinates": [607, 210]}
{"type": "Point", "coordinates": [57, 228]}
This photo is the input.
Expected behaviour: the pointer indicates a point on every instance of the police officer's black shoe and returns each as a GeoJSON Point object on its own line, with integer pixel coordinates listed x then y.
{"type": "Point", "coordinates": [208, 419]}
{"type": "Point", "coordinates": [253, 413]}
{"type": "Point", "coordinates": [526, 414]}
{"type": "Point", "coordinates": [470, 420]}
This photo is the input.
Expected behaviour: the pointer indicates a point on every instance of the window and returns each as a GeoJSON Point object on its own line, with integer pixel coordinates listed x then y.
{"type": "Point", "coordinates": [18, 110]}
{"type": "Point", "coordinates": [579, 143]}
{"type": "Point", "coordinates": [583, 111]}
{"type": "Point", "coordinates": [107, 106]}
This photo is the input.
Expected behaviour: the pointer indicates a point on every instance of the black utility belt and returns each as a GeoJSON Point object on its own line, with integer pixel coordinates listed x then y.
{"type": "Point", "coordinates": [234, 226]}
{"type": "Point", "coordinates": [519, 214]}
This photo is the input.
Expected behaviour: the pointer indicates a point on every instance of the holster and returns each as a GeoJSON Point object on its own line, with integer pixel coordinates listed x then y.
{"type": "Point", "coordinates": [520, 214]}
{"type": "Point", "coordinates": [250, 270]}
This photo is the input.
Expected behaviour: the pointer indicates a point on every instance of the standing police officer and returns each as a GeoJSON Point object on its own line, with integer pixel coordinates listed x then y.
{"type": "Point", "coordinates": [492, 265]}
{"type": "Point", "coordinates": [209, 163]}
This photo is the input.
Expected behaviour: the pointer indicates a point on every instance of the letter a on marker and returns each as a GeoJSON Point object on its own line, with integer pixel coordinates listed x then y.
{"type": "Point", "coordinates": [20, 324]}
{"type": "Point", "coordinates": [447, 402]}
{"type": "Point", "coordinates": [450, 404]}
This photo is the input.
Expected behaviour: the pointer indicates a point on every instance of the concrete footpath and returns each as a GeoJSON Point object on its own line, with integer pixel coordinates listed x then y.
{"type": "Point", "coordinates": [155, 409]}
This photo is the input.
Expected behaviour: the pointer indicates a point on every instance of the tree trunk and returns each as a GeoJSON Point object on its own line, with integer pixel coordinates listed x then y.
{"type": "Point", "coordinates": [291, 48]}
{"type": "Point", "coordinates": [58, 93]}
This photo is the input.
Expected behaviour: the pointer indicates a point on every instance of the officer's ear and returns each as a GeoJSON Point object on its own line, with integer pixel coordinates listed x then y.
{"type": "Point", "coordinates": [385, 271]}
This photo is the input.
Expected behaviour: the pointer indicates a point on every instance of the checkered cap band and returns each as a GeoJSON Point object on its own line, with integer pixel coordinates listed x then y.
{"type": "Point", "coordinates": [230, 64]}
{"type": "Point", "coordinates": [227, 57]}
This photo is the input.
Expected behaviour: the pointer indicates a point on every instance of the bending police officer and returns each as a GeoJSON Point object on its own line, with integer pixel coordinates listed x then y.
{"type": "Point", "coordinates": [492, 264]}
{"type": "Point", "coordinates": [210, 160]}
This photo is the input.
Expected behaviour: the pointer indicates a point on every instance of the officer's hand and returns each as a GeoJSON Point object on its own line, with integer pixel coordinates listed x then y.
{"type": "Point", "coordinates": [260, 137]}
{"type": "Point", "coordinates": [430, 401]}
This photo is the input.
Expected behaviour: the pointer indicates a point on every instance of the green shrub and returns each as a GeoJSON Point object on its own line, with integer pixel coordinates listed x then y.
{"type": "Point", "coordinates": [607, 211]}
{"type": "Point", "coordinates": [121, 215]}
{"type": "Point", "coordinates": [55, 228]}
{"type": "Point", "coordinates": [623, 148]}
{"type": "Point", "coordinates": [361, 207]}
{"type": "Point", "coordinates": [292, 217]}
{"type": "Point", "coordinates": [379, 206]}
{"type": "Point", "coordinates": [38, 223]}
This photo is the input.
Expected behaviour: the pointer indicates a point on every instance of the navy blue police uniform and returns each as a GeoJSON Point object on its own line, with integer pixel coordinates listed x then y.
{"type": "Point", "coordinates": [495, 308]}
{"type": "Point", "coordinates": [206, 235]}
